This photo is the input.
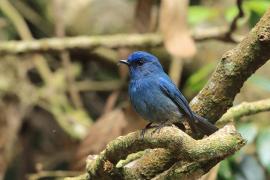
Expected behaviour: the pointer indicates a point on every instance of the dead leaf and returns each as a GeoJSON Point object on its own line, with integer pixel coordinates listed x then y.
{"type": "Point", "coordinates": [173, 25]}
{"type": "Point", "coordinates": [143, 15]}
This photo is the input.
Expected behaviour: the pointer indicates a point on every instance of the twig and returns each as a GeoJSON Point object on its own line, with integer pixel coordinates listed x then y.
{"type": "Point", "coordinates": [239, 15]}
{"type": "Point", "coordinates": [89, 43]}
{"type": "Point", "coordinates": [245, 109]}
{"type": "Point", "coordinates": [16, 19]}
{"type": "Point", "coordinates": [80, 43]}
{"type": "Point", "coordinates": [33, 17]}
{"type": "Point", "coordinates": [226, 34]}
{"type": "Point", "coordinates": [216, 33]}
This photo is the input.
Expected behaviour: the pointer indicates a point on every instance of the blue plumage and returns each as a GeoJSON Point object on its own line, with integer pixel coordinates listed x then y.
{"type": "Point", "coordinates": [156, 98]}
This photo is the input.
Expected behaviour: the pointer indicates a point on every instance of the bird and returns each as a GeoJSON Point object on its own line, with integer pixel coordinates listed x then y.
{"type": "Point", "coordinates": [156, 98]}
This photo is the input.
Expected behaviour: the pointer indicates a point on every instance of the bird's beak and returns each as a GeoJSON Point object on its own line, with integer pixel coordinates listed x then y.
{"type": "Point", "coordinates": [123, 62]}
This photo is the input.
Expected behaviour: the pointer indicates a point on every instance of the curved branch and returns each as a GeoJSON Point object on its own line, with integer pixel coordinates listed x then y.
{"type": "Point", "coordinates": [182, 147]}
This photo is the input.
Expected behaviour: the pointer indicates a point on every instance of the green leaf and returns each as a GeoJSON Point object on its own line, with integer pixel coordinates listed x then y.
{"type": "Point", "coordinates": [248, 131]}
{"type": "Point", "coordinates": [198, 14]}
{"type": "Point", "coordinates": [198, 79]}
{"type": "Point", "coordinates": [253, 10]}
{"type": "Point", "coordinates": [231, 13]}
{"type": "Point", "coordinates": [257, 6]}
{"type": "Point", "coordinates": [263, 148]}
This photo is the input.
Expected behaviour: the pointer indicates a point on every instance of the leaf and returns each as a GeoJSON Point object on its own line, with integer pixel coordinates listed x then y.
{"type": "Point", "coordinates": [248, 131]}
{"type": "Point", "coordinates": [173, 25]}
{"type": "Point", "coordinates": [263, 148]}
{"type": "Point", "coordinates": [257, 6]}
{"type": "Point", "coordinates": [231, 13]}
{"type": "Point", "coordinates": [197, 80]}
{"type": "Point", "coordinates": [143, 15]}
{"type": "Point", "coordinates": [198, 14]}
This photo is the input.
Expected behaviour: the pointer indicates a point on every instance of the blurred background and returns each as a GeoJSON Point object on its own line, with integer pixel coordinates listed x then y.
{"type": "Point", "coordinates": [59, 106]}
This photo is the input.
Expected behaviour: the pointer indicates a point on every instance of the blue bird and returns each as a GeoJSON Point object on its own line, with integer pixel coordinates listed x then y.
{"type": "Point", "coordinates": [156, 98]}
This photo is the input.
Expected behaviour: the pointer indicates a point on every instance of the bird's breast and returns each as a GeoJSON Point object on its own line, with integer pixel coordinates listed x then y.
{"type": "Point", "coordinates": [149, 101]}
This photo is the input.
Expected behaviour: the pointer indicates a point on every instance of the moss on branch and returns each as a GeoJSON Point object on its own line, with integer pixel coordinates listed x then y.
{"type": "Point", "coordinates": [181, 147]}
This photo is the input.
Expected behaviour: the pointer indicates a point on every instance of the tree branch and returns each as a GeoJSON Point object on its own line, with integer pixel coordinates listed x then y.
{"type": "Point", "coordinates": [245, 109]}
{"type": "Point", "coordinates": [233, 70]}
{"type": "Point", "coordinates": [89, 43]}
{"type": "Point", "coordinates": [80, 43]}
{"type": "Point", "coordinates": [218, 146]}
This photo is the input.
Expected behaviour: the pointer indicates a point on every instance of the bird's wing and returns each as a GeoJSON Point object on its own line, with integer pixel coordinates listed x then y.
{"type": "Point", "coordinates": [171, 91]}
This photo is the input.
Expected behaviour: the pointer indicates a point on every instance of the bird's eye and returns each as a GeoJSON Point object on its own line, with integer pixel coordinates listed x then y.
{"type": "Point", "coordinates": [140, 62]}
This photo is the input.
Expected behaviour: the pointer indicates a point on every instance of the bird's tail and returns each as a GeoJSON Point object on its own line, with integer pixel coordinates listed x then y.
{"type": "Point", "coordinates": [204, 126]}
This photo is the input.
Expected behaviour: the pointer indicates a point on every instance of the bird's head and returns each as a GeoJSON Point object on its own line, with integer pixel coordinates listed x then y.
{"type": "Point", "coordinates": [142, 64]}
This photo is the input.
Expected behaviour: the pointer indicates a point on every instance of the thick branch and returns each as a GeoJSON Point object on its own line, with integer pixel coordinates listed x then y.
{"type": "Point", "coordinates": [233, 70]}
{"type": "Point", "coordinates": [218, 146]}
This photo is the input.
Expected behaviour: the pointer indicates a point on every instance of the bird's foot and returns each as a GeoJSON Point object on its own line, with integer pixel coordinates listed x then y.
{"type": "Point", "coordinates": [148, 126]}
{"type": "Point", "coordinates": [158, 128]}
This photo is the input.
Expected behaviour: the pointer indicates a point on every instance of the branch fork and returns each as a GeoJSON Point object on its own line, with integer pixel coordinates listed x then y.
{"type": "Point", "coordinates": [202, 154]}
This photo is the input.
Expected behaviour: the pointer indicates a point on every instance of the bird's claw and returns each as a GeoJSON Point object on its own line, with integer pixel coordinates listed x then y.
{"type": "Point", "coordinates": [143, 131]}
{"type": "Point", "coordinates": [148, 126]}
{"type": "Point", "coordinates": [159, 127]}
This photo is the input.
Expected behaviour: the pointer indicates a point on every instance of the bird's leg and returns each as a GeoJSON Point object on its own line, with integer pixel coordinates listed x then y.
{"type": "Point", "coordinates": [145, 128]}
